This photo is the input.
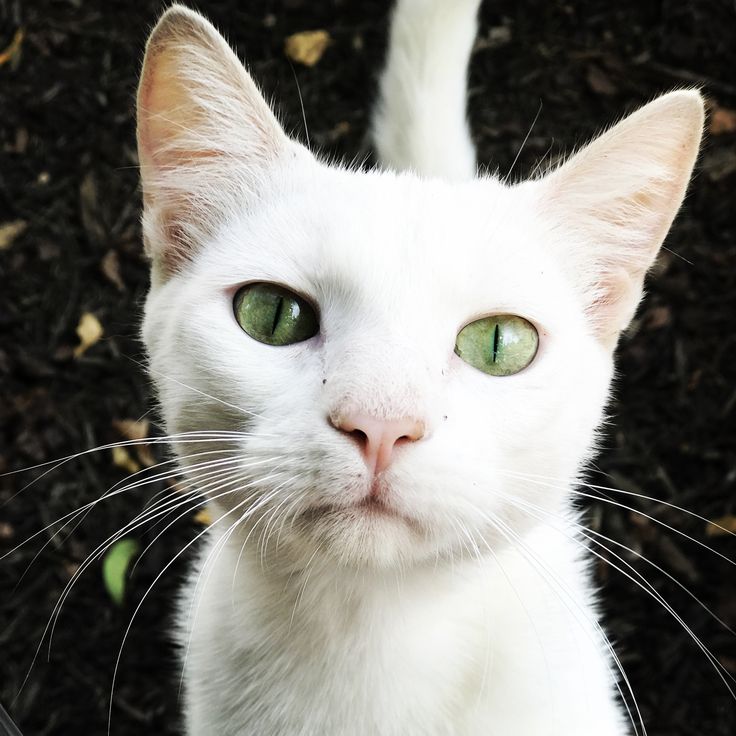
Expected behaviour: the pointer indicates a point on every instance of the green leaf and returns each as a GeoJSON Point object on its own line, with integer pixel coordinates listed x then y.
{"type": "Point", "coordinates": [115, 567]}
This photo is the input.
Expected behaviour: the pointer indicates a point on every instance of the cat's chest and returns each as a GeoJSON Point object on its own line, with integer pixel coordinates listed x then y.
{"type": "Point", "coordinates": [335, 668]}
{"type": "Point", "coordinates": [366, 687]}
{"type": "Point", "coordinates": [457, 656]}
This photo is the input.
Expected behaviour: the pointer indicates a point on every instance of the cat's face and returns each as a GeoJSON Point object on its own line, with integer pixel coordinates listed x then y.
{"type": "Point", "coordinates": [394, 267]}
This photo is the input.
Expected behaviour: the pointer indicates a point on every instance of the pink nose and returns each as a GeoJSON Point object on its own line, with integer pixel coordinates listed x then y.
{"type": "Point", "coordinates": [377, 437]}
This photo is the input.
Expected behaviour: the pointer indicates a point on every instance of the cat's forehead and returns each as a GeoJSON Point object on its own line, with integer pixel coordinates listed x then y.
{"type": "Point", "coordinates": [332, 232]}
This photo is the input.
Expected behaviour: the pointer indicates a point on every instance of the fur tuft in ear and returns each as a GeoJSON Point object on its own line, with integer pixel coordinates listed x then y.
{"type": "Point", "coordinates": [612, 204]}
{"type": "Point", "coordinates": [205, 135]}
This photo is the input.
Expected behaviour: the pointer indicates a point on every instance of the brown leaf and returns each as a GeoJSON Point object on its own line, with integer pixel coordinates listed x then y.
{"type": "Point", "coordinates": [91, 212]}
{"type": "Point", "coordinates": [203, 517]}
{"type": "Point", "coordinates": [658, 317]}
{"type": "Point", "coordinates": [132, 429]}
{"type": "Point", "coordinates": [71, 568]}
{"type": "Point", "coordinates": [176, 485]}
{"type": "Point", "coordinates": [722, 120]}
{"type": "Point", "coordinates": [9, 231]}
{"type": "Point", "coordinates": [695, 378]}
{"type": "Point", "coordinates": [137, 430]}
{"type": "Point", "coordinates": [13, 47]}
{"type": "Point", "coordinates": [600, 82]}
{"type": "Point", "coordinates": [122, 459]}
{"type": "Point", "coordinates": [21, 140]}
{"type": "Point", "coordinates": [307, 47]}
{"type": "Point", "coordinates": [89, 331]}
{"type": "Point", "coordinates": [145, 456]}
{"type": "Point", "coordinates": [721, 527]}
{"type": "Point", "coordinates": [342, 128]}
{"type": "Point", "coordinates": [110, 267]}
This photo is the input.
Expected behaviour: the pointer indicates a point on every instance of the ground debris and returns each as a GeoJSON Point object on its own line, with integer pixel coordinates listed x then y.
{"type": "Point", "coordinates": [132, 429]}
{"type": "Point", "coordinates": [110, 267]}
{"type": "Point", "coordinates": [12, 51]}
{"type": "Point", "coordinates": [9, 231]}
{"type": "Point", "coordinates": [121, 457]}
{"type": "Point", "coordinates": [89, 331]}
{"type": "Point", "coordinates": [722, 526]}
{"type": "Point", "coordinates": [307, 47]}
{"type": "Point", "coordinates": [721, 120]}
{"type": "Point", "coordinates": [203, 517]}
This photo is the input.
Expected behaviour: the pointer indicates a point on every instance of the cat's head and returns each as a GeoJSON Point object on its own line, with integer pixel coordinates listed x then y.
{"type": "Point", "coordinates": [322, 313]}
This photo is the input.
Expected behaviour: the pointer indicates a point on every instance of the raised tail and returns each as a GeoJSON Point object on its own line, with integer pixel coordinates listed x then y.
{"type": "Point", "coordinates": [420, 122]}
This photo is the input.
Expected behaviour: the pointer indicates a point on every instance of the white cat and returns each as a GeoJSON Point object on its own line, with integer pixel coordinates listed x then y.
{"type": "Point", "coordinates": [403, 374]}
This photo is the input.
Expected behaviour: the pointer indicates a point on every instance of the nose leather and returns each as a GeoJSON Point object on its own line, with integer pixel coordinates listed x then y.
{"type": "Point", "coordinates": [377, 438]}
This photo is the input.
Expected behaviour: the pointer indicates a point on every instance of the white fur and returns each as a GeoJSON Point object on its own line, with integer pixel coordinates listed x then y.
{"type": "Point", "coordinates": [419, 123]}
{"type": "Point", "coordinates": [471, 612]}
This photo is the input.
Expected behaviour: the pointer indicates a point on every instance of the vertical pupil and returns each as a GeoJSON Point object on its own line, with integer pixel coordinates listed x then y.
{"type": "Point", "coordinates": [495, 341]}
{"type": "Point", "coordinates": [277, 314]}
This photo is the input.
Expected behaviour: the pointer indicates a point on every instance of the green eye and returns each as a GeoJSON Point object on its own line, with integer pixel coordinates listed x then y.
{"type": "Point", "coordinates": [500, 345]}
{"type": "Point", "coordinates": [274, 315]}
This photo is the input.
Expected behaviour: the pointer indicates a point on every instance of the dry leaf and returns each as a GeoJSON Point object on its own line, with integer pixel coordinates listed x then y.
{"type": "Point", "coordinates": [658, 317]}
{"type": "Point", "coordinates": [136, 430]}
{"type": "Point", "coordinates": [342, 128]}
{"type": "Point", "coordinates": [9, 231]}
{"type": "Point", "coordinates": [21, 140]}
{"type": "Point", "coordinates": [13, 47]}
{"type": "Point", "coordinates": [695, 379]}
{"type": "Point", "coordinates": [122, 459]}
{"type": "Point", "coordinates": [307, 47]}
{"type": "Point", "coordinates": [110, 266]}
{"type": "Point", "coordinates": [203, 517]}
{"type": "Point", "coordinates": [722, 120]}
{"type": "Point", "coordinates": [89, 331]}
{"type": "Point", "coordinates": [71, 568]}
{"type": "Point", "coordinates": [132, 429]}
{"type": "Point", "coordinates": [600, 82]}
{"type": "Point", "coordinates": [145, 456]}
{"type": "Point", "coordinates": [90, 209]}
{"type": "Point", "coordinates": [176, 485]}
{"type": "Point", "coordinates": [721, 527]}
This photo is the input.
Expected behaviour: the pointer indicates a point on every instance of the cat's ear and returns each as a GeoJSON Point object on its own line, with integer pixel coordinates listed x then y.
{"type": "Point", "coordinates": [614, 201]}
{"type": "Point", "coordinates": [205, 134]}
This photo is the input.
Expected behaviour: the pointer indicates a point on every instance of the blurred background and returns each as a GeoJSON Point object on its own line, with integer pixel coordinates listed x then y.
{"type": "Point", "coordinates": [73, 277]}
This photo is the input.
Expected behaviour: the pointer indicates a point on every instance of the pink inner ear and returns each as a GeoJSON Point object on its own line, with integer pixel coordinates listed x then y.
{"type": "Point", "coordinates": [171, 119]}
{"type": "Point", "coordinates": [206, 137]}
{"type": "Point", "coordinates": [156, 98]}
{"type": "Point", "coordinates": [617, 198]}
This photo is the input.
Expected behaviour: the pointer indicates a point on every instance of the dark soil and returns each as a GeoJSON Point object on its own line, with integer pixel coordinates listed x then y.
{"type": "Point", "coordinates": [67, 173]}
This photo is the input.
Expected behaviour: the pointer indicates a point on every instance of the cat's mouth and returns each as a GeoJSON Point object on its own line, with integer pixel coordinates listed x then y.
{"type": "Point", "coordinates": [370, 506]}
{"type": "Point", "coordinates": [376, 506]}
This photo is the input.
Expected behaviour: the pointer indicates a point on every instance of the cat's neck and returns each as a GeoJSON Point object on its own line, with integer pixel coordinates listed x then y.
{"type": "Point", "coordinates": [324, 595]}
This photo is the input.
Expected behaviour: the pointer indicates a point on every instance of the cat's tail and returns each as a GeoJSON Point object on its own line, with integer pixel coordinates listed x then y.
{"type": "Point", "coordinates": [420, 123]}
